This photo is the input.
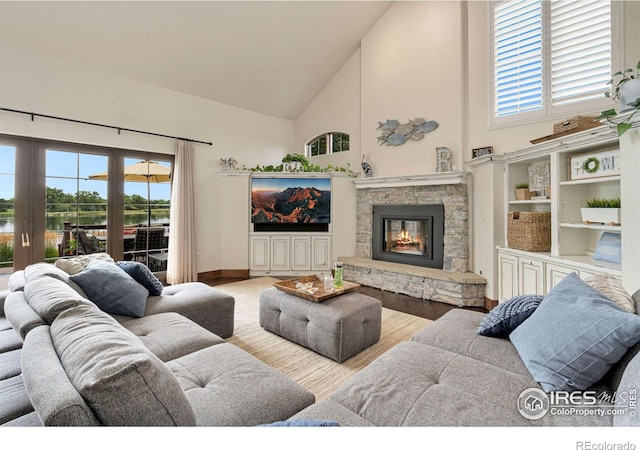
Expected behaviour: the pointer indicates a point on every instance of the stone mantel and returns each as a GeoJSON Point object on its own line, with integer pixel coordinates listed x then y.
{"type": "Point", "coordinates": [429, 179]}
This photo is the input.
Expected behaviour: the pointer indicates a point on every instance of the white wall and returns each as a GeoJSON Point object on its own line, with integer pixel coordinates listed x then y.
{"type": "Point", "coordinates": [38, 84]}
{"type": "Point", "coordinates": [412, 68]}
{"type": "Point", "coordinates": [336, 108]}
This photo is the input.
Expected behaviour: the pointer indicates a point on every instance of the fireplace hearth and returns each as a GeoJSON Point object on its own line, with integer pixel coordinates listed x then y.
{"type": "Point", "coordinates": [409, 234]}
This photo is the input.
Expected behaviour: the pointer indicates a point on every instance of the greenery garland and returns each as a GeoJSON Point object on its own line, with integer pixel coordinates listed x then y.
{"type": "Point", "coordinates": [591, 165]}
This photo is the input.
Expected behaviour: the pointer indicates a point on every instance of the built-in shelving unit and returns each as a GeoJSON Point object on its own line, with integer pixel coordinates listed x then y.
{"type": "Point", "coordinates": [572, 241]}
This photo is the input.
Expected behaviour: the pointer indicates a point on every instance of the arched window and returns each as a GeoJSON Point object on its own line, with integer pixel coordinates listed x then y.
{"type": "Point", "coordinates": [328, 143]}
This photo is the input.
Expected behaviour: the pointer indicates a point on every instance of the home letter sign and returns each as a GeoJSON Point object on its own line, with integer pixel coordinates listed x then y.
{"type": "Point", "coordinates": [594, 165]}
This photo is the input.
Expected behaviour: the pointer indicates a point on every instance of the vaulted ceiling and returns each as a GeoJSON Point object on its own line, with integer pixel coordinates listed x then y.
{"type": "Point", "coordinates": [272, 57]}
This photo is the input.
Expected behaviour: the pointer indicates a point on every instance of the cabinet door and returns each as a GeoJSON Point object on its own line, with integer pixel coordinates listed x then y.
{"type": "Point", "coordinates": [508, 276]}
{"type": "Point", "coordinates": [259, 253]}
{"type": "Point", "coordinates": [531, 276]}
{"type": "Point", "coordinates": [321, 253]}
{"type": "Point", "coordinates": [300, 253]}
{"type": "Point", "coordinates": [554, 273]}
{"type": "Point", "coordinates": [280, 253]}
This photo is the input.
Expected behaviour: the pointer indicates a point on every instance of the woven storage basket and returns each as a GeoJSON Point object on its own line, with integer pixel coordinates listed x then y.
{"type": "Point", "coordinates": [576, 123]}
{"type": "Point", "coordinates": [529, 231]}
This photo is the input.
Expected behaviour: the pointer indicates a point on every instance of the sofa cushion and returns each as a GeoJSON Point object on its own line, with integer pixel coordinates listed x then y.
{"type": "Point", "coordinates": [53, 396]}
{"type": "Point", "coordinates": [39, 270]}
{"type": "Point", "coordinates": [21, 315]}
{"type": "Point", "coordinates": [456, 331]}
{"type": "Point", "coordinates": [10, 364]}
{"type": "Point", "coordinates": [143, 275]}
{"type": "Point", "coordinates": [15, 401]}
{"type": "Point", "coordinates": [77, 264]}
{"type": "Point", "coordinates": [227, 386]}
{"type": "Point", "coordinates": [612, 288]}
{"type": "Point", "coordinates": [170, 335]}
{"type": "Point", "coordinates": [506, 317]}
{"type": "Point", "coordinates": [574, 337]}
{"type": "Point", "coordinates": [49, 297]}
{"type": "Point", "coordinates": [112, 289]}
{"type": "Point", "coordinates": [122, 381]}
{"type": "Point", "coordinates": [415, 384]}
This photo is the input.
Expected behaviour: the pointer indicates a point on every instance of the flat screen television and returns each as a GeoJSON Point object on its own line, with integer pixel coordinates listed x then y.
{"type": "Point", "coordinates": [291, 203]}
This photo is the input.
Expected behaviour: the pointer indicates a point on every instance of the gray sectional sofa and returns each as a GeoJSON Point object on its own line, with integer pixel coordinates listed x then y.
{"type": "Point", "coordinates": [448, 375]}
{"type": "Point", "coordinates": [72, 364]}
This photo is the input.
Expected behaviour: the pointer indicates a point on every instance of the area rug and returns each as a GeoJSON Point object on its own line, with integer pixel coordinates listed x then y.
{"type": "Point", "coordinates": [318, 374]}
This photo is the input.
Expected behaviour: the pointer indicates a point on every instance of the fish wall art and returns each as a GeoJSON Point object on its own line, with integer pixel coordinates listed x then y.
{"type": "Point", "coordinates": [393, 132]}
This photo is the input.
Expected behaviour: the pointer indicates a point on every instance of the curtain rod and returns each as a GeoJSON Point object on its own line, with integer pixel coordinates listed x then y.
{"type": "Point", "coordinates": [33, 115]}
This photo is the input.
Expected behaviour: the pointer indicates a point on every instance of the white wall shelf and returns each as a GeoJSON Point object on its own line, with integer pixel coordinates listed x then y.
{"type": "Point", "coordinates": [592, 226]}
{"type": "Point", "coordinates": [591, 181]}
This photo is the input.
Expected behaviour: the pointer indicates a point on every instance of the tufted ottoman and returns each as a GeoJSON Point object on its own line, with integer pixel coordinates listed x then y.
{"type": "Point", "coordinates": [337, 328]}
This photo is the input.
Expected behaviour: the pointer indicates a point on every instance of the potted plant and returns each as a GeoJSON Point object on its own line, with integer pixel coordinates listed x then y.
{"type": "Point", "coordinates": [523, 192]}
{"type": "Point", "coordinates": [601, 210]}
{"type": "Point", "coordinates": [626, 91]}
{"type": "Point", "coordinates": [294, 162]}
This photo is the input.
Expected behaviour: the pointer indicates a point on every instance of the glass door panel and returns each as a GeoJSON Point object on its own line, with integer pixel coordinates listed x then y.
{"type": "Point", "coordinates": [7, 211]}
{"type": "Point", "coordinates": [147, 198]}
{"type": "Point", "coordinates": [76, 204]}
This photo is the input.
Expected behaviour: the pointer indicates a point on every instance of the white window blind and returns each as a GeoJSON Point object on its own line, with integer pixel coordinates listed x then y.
{"type": "Point", "coordinates": [550, 54]}
{"type": "Point", "coordinates": [580, 50]}
{"type": "Point", "coordinates": [518, 56]}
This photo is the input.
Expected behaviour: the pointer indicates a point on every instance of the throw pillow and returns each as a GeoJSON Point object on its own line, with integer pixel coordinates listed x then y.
{"type": "Point", "coordinates": [111, 289]}
{"type": "Point", "coordinates": [507, 316]}
{"type": "Point", "coordinates": [142, 275]}
{"type": "Point", "coordinates": [574, 336]}
{"type": "Point", "coordinates": [609, 248]}
{"type": "Point", "coordinates": [612, 287]}
{"type": "Point", "coordinates": [77, 264]}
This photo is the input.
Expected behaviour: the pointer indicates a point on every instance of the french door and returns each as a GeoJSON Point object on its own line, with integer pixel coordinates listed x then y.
{"type": "Point", "coordinates": [60, 200]}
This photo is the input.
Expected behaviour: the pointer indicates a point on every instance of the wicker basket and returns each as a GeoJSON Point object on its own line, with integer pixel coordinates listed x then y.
{"type": "Point", "coordinates": [529, 231]}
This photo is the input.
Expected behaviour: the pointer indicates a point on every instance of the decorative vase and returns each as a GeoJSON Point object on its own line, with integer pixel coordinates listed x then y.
{"type": "Point", "coordinates": [523, 194]}
{"type": "Point", "coordinates": [607, 216]}
{"type": "Point", "coordinates": [629, 92]}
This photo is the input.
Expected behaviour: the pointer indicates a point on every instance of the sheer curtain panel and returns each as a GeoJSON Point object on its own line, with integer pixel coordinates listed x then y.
{"type": "Point", "coordinates": [181, 266]}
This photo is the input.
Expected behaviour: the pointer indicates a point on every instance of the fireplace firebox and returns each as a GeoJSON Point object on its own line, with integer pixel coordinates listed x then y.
{"type": "Point", "coordinates": [409, 234]}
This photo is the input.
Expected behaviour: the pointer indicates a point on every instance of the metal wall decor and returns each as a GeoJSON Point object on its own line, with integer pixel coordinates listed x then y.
{"type": "Point", "coordinates": [393, 132]}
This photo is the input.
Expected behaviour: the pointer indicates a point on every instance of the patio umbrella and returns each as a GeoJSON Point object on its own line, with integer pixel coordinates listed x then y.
{"type": "Point", "coordinates": [142, 171]}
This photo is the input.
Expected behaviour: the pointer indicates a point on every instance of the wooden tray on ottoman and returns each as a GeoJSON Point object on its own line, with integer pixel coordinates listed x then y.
{"type": "Point", "coordinates": [289, 286]}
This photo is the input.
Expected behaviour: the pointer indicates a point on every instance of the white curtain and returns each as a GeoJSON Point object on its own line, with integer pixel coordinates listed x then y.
{"type": "Point", "coordinates": [181, 266]}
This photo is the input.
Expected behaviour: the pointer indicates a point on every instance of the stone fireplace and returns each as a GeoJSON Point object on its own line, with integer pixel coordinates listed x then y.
{"type": "Point", "coordinates": [447, 280]}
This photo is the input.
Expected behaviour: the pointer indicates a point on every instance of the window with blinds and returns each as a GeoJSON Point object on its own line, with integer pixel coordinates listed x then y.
{"type": "Point", "coordinates": [550, 54]}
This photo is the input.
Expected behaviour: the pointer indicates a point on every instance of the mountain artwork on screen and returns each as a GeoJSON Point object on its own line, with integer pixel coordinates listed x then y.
{"type": "Point", "coordinates": [291, 200]}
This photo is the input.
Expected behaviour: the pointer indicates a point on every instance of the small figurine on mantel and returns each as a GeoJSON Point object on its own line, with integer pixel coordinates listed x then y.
{"type": "Point", "coordinates": [366, 168]}
{"type": "Point", "coordinates": [443, 163]}
{"type": "Point", "coordinates": [228, 163]}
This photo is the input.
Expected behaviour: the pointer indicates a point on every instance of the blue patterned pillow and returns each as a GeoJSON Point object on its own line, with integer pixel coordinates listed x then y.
{"type": "Point", "coordinates": [111, 289]}
{"type": "Point", "coordinates": [574, 337]}
{"type": "Point", "coordinates": [506, 317]}
{"type": "Point", "coordinates": [142, 275]}
{"type": "Point", "coordinates": [609, 248]}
